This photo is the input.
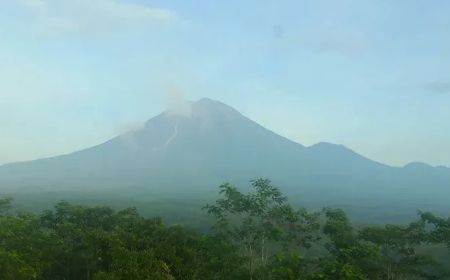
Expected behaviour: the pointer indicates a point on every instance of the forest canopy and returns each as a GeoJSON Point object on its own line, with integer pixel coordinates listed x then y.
{"type": "Point", "coordinates": [255, 235]}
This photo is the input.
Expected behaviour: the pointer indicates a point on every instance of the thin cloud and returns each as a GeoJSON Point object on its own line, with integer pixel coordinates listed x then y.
{"type": "Point", "coordinates": [55, 16]}
{"type": "Point", "coordinates": [343, 27]}
{"type": "Point", "coordinates": [344, 42]}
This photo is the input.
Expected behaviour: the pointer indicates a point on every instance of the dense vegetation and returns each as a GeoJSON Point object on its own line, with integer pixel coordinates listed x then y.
{"type": "Point", "coordinates": [256, 235]}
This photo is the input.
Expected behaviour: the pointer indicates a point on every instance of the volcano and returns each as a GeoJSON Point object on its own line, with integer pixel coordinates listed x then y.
{"type": "Point", "coordinates": [214, 143]}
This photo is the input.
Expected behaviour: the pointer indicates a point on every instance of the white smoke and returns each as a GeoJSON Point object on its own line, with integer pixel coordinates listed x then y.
{"type": "Point", "coordinates": [177, 104]}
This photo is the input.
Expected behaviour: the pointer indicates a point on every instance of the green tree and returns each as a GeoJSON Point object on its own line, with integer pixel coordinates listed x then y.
{"type": "Point", "coordinates": [141, 264]}
{"type": "Point", "coordinates": [288, 267]}
{"type": "Point", "coordinates": [261, 223]}
{"type": "Point", "coordinates": [439, 228]}
{"type": "Point", "coordinates": [81, 239]}
{"type": "Point", "coordinates": [349, 258]}
{"type": "Point", "coordinates": [257, 235]}
{"type": "Point", "coordinates": [399, 259]}
{"type": "Point", "coordinates": [22, 248]}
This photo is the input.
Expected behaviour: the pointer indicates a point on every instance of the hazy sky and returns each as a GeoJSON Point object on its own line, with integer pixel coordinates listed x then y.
{"type": "Point", "coordinates": [372, 75]}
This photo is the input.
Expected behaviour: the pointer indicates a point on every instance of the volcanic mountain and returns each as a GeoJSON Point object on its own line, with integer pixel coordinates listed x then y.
{"type": "Point", "coordinates": [213, 144]}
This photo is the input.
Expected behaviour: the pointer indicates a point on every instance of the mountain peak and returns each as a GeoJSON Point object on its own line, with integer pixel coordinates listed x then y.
{"type": "Point", "coordinates": [206, 100]}
{"type": "Point", "coordinates": [211, 108]}
{"type": "Point", "coordinates": [189, 109]}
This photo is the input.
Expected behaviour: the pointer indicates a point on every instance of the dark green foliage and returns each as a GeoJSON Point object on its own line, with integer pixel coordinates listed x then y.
{"type": "Point", "coordinates": [23, 248]}
{"type": "Point", "coordinates": [398, 250]}
{"type": "Point", "coordinates": [256, 235]}
{"type": "Point", "coordinates": [261, 223]}
{"type": "Point", "coordinates": [440, 228]}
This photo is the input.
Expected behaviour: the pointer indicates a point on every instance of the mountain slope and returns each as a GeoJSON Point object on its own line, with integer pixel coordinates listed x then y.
{"type": "Point", "coordinates": [212, 141]}
{"type": "Point", "coordinates": [214, 144]}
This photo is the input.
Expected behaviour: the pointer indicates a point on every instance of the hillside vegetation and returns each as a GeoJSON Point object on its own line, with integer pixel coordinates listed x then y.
{"type": "Point", "coordinates": [256, 235]}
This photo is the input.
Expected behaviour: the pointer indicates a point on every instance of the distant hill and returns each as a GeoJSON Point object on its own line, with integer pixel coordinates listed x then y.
{"type": "Point", "coordinates": [214, 143]}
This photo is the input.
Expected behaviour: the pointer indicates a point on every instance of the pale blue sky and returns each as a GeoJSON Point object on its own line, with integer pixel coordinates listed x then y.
{"type": "Point", "coordinates": [372, 75]}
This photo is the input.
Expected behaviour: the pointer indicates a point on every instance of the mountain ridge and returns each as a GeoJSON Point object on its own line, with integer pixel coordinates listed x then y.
{"type": "Point", "coordinates": [210, 143]}
{"type": "Point", "coordinates": [209, 101]}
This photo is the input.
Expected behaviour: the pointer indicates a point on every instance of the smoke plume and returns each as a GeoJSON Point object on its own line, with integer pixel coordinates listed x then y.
{"type": "Point", "coordinates": [177, 104]}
